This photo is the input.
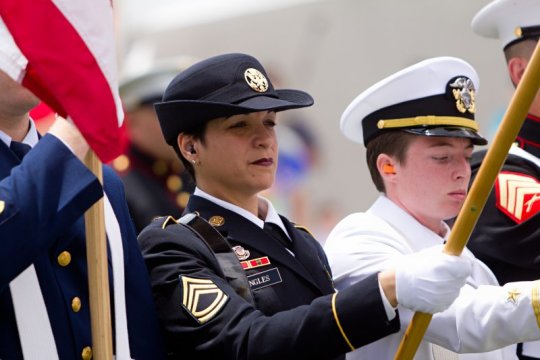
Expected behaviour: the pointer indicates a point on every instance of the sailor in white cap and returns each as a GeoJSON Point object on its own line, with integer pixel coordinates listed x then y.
{"type": "Point", "coordinates": [506, 235]}
{"type": "Point", "coordinates": [419, 131]}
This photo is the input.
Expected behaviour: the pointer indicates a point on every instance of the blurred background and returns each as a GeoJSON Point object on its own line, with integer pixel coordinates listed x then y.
{"type": "Point", "coordinates": [333, 49]}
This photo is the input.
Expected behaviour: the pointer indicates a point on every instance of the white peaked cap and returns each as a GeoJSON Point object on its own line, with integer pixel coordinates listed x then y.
{"type": "Point", "coordinates": [424, 92]}
{"type": "Point", "coordinates": [502, 19]}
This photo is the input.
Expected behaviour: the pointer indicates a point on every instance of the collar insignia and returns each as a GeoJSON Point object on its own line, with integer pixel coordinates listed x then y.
{"type": "Point", "coordinates": [216, 221]}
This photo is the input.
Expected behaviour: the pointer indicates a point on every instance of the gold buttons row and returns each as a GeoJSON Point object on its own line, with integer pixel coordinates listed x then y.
{"type": "Point", "coordinates": [64, 259]}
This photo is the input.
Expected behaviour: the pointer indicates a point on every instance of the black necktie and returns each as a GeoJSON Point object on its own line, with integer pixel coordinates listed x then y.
{"type": "Point", "coordinates": [20, 149]}
{"type": "Point", "coordinates": [277, 233]}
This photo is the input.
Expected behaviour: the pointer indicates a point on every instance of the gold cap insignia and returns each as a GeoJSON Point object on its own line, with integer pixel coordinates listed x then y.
{"type": "Point", "coordinates": [216, 220]}
{"type": "Point", "coordinates": [240, 252]}
{"type": "Point", "coordinates": [202, 298]}
{"type": "Point", "coordinates": [256, 80]}
{"type": "Point", "coordinates": [464, 94]}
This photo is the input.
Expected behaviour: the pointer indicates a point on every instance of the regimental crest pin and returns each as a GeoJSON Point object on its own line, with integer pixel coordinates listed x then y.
{"type": "Point", "coordinates": [240, 252]}
{"type": "Point", "coordinates": [256, 80]}
{"type": "Point", "coordinates": [202, 298]}
{"type": "Point", "coordinates": [464, 94]}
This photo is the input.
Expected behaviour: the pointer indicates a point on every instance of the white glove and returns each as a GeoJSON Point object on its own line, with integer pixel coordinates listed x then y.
{"type": "Point", "coordinates": [429, 281]}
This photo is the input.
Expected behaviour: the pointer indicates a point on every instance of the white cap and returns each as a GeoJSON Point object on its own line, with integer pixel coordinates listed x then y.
{"type": "Point", "coordinates": [12, 61]}
{"type": "Point", "coordinates": [504, 19]}
{"type": "Point", "coordinates": [435, 97]}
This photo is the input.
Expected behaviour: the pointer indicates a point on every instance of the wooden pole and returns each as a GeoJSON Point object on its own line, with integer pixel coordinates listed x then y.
{"type": "Point", "coordinates": [480, 189]}
{"type": "Point", "coordinates": [98, 278]}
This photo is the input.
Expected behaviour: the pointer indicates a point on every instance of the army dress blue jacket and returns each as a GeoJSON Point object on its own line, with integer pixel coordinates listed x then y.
{"type": "Point", "coordinates": [296, 315]}
{"type": "Point", "coordinates": [42, 200]}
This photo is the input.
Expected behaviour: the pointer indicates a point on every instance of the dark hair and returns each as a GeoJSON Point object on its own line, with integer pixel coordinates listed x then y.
{"type": "Point", "coordinates": [523, 48]}
{"type": "Point", "coordinates": [198, 132]}
{"type": "Point", "coordinates": [393, 143]}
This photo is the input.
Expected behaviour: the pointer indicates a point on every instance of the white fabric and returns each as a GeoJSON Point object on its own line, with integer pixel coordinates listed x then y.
{"type": "Point", "coordinates": [35, 332]}
{"type": "Point", "coordinates": [516, 150]}
{"type": "Point", "coordinates": [271, 213]}
{"type": "Point", "coordinates": [429, 281]}
{"type": "Point", "coordinates": [480, 320]}
{"type": "Point", "coordinates": [12, 61]}
{"type": "Point", "coordinates": [33, 323]}
{"type": "Point", "coordinates": [117, 255]}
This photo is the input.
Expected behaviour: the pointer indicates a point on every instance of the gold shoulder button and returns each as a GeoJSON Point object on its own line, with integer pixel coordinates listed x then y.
{"type": "Point", "coordinates": [2, 206]}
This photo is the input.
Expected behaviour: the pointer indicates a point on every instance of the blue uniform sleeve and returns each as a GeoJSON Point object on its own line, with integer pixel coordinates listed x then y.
{"type": "Point", "coordinates": [49, 190]}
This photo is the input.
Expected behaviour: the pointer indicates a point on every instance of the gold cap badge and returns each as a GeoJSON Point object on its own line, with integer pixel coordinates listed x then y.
{"type": "Point", "coordinates": [464, 94]}
{"type": "Point", "coordinates": [256, 80]}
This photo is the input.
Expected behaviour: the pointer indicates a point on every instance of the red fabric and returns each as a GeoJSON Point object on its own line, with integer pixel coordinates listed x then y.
{"type": "Point", "coordinates": [518, 195]}
{"type": "Point", "coordinates": [63, 70]}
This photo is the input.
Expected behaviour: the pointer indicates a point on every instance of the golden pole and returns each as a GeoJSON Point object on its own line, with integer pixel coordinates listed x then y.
{"type": "Point", "coordinates": [98, 278]}
{"type": "Point", "coordinates": [480, 189]}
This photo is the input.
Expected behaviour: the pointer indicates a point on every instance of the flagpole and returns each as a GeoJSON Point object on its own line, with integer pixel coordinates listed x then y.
{"type": "Point", "coordinates": [480, 189]}
{"type": "Point", "coordinates": [98, 278]}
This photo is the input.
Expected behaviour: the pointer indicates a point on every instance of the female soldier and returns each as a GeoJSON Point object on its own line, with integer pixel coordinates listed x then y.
{"type": "Point", "coordinates": [273, 297]}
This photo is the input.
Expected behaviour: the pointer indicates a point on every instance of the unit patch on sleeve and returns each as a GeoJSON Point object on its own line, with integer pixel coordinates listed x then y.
{"type": "Point", "coordinates": [518, 195]}
{"type": "Point", "coordinates": [202, 298]}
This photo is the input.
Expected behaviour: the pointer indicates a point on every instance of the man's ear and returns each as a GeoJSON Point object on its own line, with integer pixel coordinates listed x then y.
{"type": "Point", "coordinates": [516, 69]}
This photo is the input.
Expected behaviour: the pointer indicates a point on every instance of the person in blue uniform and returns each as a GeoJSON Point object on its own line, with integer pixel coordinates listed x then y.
{"type": "Point", "coordinates": [220, 116]}
{"type": "Point", "coordinates": [507, 234]}
{"type": "Point", "coordinates": [155, 180]}
{"type": "Point", "coordinates": [44, 191]}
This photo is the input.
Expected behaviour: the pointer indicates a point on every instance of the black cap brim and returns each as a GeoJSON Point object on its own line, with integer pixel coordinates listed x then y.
{"type": "Point", "coordinates": [179, 116]}
{"type": "Point", "coordinates": [449, 131]}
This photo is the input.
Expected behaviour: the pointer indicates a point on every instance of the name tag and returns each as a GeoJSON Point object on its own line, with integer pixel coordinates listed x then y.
{"type": "Point", "coordinates": [264, 278]}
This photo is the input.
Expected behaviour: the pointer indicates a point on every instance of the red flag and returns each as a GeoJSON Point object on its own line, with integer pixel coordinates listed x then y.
{"type": "Point", "coordinates": [70, 47]}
